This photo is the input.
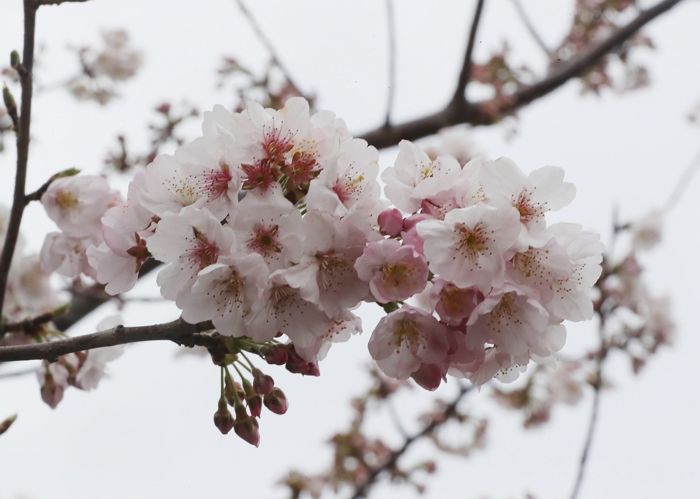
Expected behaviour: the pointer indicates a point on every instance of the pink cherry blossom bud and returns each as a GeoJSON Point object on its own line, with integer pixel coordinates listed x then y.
{"type": "Point", "coordinates": [277, 355]}
{"type": "Point", "coordinates": [410, 222]}
{"type": "Point", "coordinates": [297, 365]}
{"type": "Point", "coordinates": [429, 376]}
{"type": "Point", "coordinates": [247, 428]}
{"type": "Point", "coordinates": [52, 394]}
{"type": "Point", "coordinates": [390, 222]}
{"type": "Point", "coordinates": [254, 402]}
{"type": "Point", "coordinates": [276, 401]}
{"type": "Point", "coordinates": [223, 419]}
{"type": "Point", "coordinates": [262, 383]}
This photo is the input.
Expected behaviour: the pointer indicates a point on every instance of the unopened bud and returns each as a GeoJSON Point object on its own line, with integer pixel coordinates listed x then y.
{"type": "Point", "coordinates": [262, 383]}
{"type": "Point", "coordinates": [295, 364]}
{"type": "Point", "coordinates": [10, 103]}
{"type": "Point", "coordinates": [223, 419]}
{"type": "Point", "coordinates": [390, 222]}
{"type": "Point", "coordinates": [277, 355]}
{"type": "Point", "coordinates": [5, 425]}
{"type": "Point", "coordinates": [247, 428]}
{"type": "Point", "coordinates": [276, 401]}
{"type": "Point", "coordinates": [14, 59]}
{"type": "Point", "coordinates": [52, 393]}
{"type": "Point", "coordinates": [254, 402]}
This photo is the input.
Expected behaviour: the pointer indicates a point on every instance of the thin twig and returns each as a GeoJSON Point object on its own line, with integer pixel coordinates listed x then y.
{"type": "Point", "coordinates": [474, 114]}
{"type": "Point", "coordinates": [531, 27]}
{"type": "Point", "coordinates": [274, 56]}
{"type": "Point", "coordinates": [449, 411]}
{"type": "Point", "coordinates": [595, 409]}
{"type": "Point", "coordinates": [177, 330]}
{"type": "Point", "coordinates": [391, 46]}
{"type": "Point", "coordinates": [459, 96]}
{"type": "Point", "coordinates": [683, 182]}
{"type": "Point", "coordinates": [25, 77]}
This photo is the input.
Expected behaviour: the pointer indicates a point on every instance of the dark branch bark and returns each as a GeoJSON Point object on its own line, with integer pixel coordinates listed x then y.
{"type": "Point", "coordinates": [82, 304]}
{"type": "Point", "coordinates": [474, 114]}
{"type": "Point", "coordinates": [57, 2]}
{"type": "Point", "coordinates": [450, 410]}
{"type": "Point", "coordinates": [459, 97]}
{"type": "Point", "coordinates": [177, 330]}
{"type": "Point", "coordinates": [18, 203]}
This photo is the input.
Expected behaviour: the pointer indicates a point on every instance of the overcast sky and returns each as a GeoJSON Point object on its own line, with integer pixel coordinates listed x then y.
{"type": "Point", "coordinates": [147, 431]}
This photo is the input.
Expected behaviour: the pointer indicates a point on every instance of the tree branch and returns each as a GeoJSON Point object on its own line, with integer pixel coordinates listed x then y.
{"type": "Point", "coordinates": [177, 330]}
{"type": "Point", "coordinates": [595, 408]}
{"type": "Point", "coordinates": [57, 2]}
{"type": "Point", "coordinates": [18, 203]}
{"type": "Point", "coordinates": [391, 39]}
{"type": "Point", "coordinates": [474, 113]}
{"type": "Point", "coordinates": [450, 410]}
{"type": "Point", "coordinates": [531, 27]}
{"type": "Point", "coordinates": [268, 44]}
{"type": "Point", "coordinates": [459, 98]}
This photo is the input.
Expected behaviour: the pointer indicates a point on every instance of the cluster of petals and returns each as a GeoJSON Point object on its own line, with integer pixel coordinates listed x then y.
{"type": "Point", "coordinates": [258, 222]}
{"type": "Point", "coordinates": [489, 281]}
{"type": "Point", "coordinates": [271, 223]}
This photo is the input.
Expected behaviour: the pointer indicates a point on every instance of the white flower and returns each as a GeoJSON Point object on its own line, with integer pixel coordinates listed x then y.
{"type": "Point", "coordinates": [187, 242]}
{"type": "Point", "coordinates": [203, 173]}
{"type": "Point", "coordinates": [415, 177]}
{"type": "Point", "coordinates": [348, 184]}
{"type": "Point", "coordinates": [515, 323]}
{"type": "Point", "coordinates": [66, 255]}
{"type": "Point", "coordinates": [533, 195]}
{"type": "Point", "coordinates": [572, 297]}
{"type": "Point", "coordinates": [225, 292]}
{"type": "Point", "coordinates": [469, 247]}
{"type": "Point", "coordinates": [325, 274]}
{"type": "Point", "coordinates": [282, 309]}
{"type": "Point", "coordinates": [77, 203]}
{"type": "Point", "coordinates": [270, 226]}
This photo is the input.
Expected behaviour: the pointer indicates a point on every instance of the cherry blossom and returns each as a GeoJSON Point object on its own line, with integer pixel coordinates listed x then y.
{"type": "Point", "coordinates": [470, 245]}
{"type": "Point", "coordinates": [394, 272]}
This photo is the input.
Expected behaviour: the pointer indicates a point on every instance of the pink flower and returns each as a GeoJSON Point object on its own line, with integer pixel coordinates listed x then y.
{"type": "Point", "coordinates": [406, 339]}
{"type": "Point", "coordinates": [394, 272]}
{"type": "Point", "coordinates": [390, 222]}
{"type": "Point", "coordinates": [469, 247]}
{"type": "Point", "coordinates": [77, 203]}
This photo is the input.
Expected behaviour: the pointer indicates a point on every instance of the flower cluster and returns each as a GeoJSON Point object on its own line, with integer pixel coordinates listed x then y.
{"type": "Point", "coordinates": [491, 281]}
{"type": "Point", "coordinates": [271, 224]}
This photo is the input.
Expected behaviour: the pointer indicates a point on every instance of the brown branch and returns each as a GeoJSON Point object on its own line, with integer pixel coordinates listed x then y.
{"type": "Point", "coordinates": [177, 330]}
{"type": "Point", "coordinates": [595, 409]}
{"type": "Point", "coordinates": [459, 98]}
{"type": "Point", "coordinates": [82, 304]}
{"type": "Point", "coordinates": [449, 411]}
{"type": "Point", "coordinates": [474, 114]}
{"type": "Point", "coordinates": [29, 325]}
{"type": "Point", "coordinates": [530, 27]}
{"type": "Point", "coordinates": [25, 77]}
{"type": "Point", "coordinates": [57, 2]}
{"type": "Point", "coordinates": [257, 29]}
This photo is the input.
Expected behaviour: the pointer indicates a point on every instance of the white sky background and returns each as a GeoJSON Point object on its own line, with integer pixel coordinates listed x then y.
{"type": "Point", "coordinates": [147, 431]}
